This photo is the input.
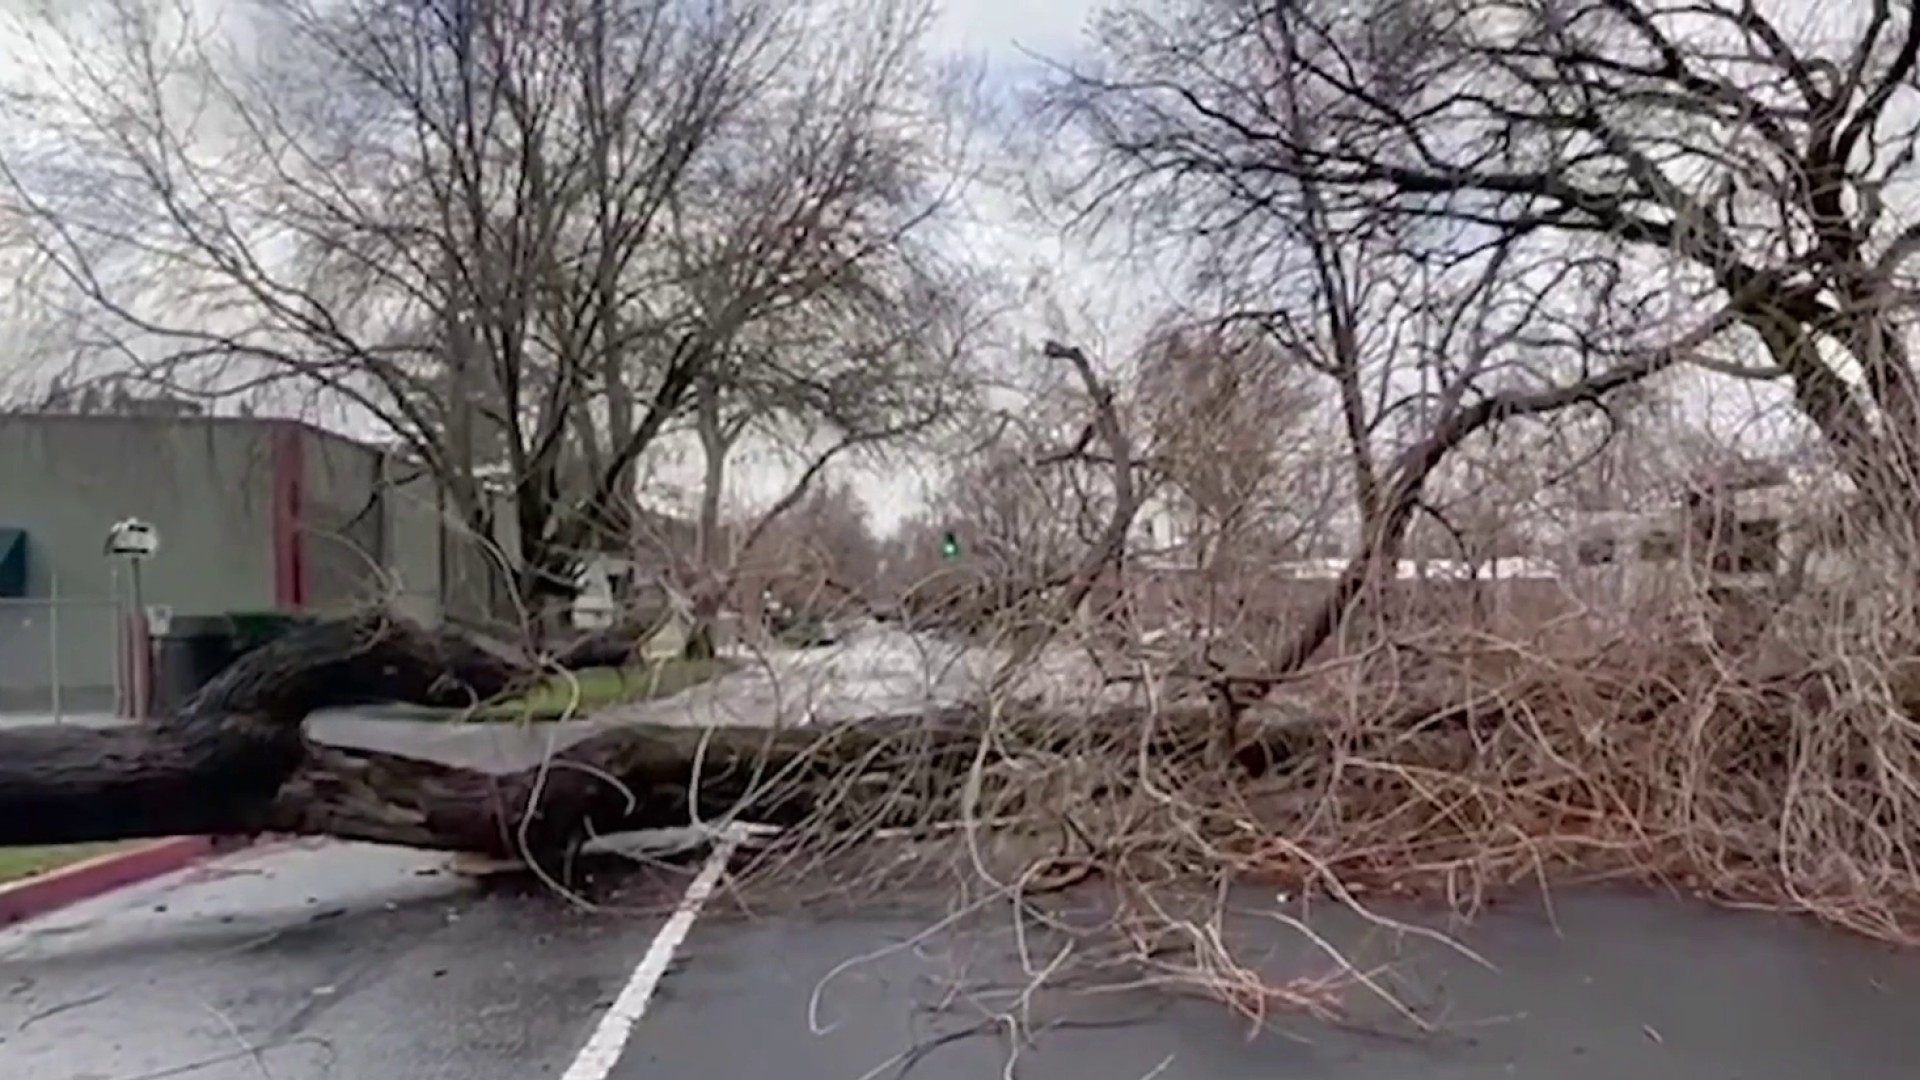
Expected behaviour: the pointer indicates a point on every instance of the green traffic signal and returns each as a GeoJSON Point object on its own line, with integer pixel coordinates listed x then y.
{"type": "Point", "coordinates": [949, 546]}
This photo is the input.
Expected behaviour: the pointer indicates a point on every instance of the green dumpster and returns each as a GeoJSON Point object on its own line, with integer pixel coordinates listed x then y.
{"type": "Point", "coordinates": [252, 629]}
{"type": "Point", "coordinates": [194, 649]}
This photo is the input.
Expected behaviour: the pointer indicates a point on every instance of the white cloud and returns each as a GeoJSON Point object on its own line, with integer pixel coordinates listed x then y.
{"type": "Point", "coordinates": [1002, 29]}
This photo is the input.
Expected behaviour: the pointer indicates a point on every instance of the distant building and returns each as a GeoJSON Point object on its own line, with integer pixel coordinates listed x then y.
{"type": "Point", "coordinates": [253, 514]}
{"type": "Point", "coordinates": [1733, 523]}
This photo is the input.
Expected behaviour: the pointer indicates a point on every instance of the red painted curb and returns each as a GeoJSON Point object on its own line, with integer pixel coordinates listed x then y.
{"type": "Point", "coordinates": [85, 880]}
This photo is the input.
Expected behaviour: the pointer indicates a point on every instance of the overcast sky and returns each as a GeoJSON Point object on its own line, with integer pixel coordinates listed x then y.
{"type": "Point", "coordinates": [1001, 28]}
{"type": "Point", "coordinates": [1007, 36]}
{"type": "Point", "coordinates": [1004, 36]}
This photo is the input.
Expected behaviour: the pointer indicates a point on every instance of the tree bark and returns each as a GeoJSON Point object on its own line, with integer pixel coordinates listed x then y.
{"type": "Point", "coordinates": [234, 760]}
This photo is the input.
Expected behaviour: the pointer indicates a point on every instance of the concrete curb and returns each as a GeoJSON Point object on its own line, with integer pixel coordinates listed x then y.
{"type": "Point", "coordinates": [70, 884]}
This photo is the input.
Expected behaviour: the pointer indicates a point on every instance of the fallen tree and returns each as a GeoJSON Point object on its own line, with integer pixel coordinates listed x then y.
{"type": "Point", "coordinates": [1453, 768]}
{"type": "Point", "coordinates": [236, 761]}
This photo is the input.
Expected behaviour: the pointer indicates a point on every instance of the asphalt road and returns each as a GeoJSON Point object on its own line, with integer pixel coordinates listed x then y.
{"type": "Point", "coordinates": [342, 962]}
{"type": "Point", "coordinates": [1626, 986]}
{"type": "Point", "coordinates": [334, 961]}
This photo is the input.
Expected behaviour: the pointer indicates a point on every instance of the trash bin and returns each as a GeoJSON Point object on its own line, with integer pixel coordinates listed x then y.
{"type": "Point", "coordinates": [194, 649]}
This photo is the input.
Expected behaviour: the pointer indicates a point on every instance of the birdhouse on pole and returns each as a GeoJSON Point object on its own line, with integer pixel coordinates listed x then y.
{"type": "Point", "coordinates": [133, 539]}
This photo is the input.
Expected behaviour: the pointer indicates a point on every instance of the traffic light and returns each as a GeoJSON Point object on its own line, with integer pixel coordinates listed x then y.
{"type": "Point", "coordinates": [949, 545]}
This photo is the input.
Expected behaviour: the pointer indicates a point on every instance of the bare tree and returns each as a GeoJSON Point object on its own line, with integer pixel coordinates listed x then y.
{"type": "Point", "coordinates": [1001, 526]}
{"type": "Point", "coordinates": [872, 367]}
{"type": "Point", "coordinates": [1733, 160]}
{"type": "Point", "coordinates": [1032, 520]}
{"type": "Point", "coordinates": [513, 236]}
{"type": "Point", "coordinates": [1222, 403]}
{"type": "Point", "coordinates": [817, 561]}
{"type": "Point", "coordinates": [1428, 338]}
{"type": "Point", "coordinates": [835, 526]}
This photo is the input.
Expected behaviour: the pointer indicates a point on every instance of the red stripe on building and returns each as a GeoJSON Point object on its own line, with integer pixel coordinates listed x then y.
{"type": "Point", "coordinates": [289, 476]}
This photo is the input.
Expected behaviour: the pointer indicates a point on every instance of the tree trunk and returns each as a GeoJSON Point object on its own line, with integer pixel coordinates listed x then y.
{"type": "Point", "coordinates": [216, 764]}
{"type": "Point", "coordinates": [714, 447]}
{"type": "Point", "coordinates": [234, 761]}
{"type": "Point", "coordinates": [709, 595]}
{"type": "Point", "coordinates": [702, 643]}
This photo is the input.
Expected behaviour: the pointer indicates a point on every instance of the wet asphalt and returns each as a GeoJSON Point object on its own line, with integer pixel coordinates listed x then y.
{"type": "Point", "coordinates": [343, 962]}
{"type": "Point", "coordinates": [347, 962]}
{"type": "Point", "coordinates": [1626, 986]}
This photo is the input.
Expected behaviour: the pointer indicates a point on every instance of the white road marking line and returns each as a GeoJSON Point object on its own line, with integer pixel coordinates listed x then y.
{"type": "Point", "coordinates": [597, 1059]}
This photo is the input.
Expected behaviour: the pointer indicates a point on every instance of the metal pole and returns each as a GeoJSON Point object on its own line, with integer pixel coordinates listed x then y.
{"type": "Point", "coordinates": [117, 608]}
{"type": "Point", "coordinates": [53, 641]}
{"type": "Point", "coordinates": [141, 665]}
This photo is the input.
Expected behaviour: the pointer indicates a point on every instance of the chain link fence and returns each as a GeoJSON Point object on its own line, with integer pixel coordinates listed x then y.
{"type": "Point", "coordinates": [63, 657]}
